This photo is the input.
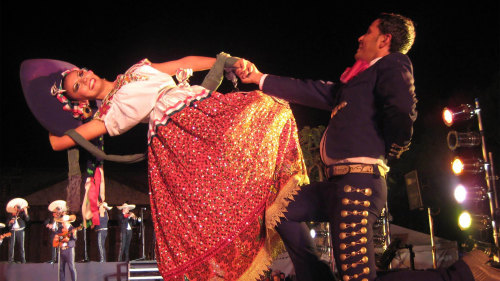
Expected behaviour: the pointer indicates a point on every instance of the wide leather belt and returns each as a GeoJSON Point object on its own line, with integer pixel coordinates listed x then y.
{"type": "Point", "coordinates": [343, 169]}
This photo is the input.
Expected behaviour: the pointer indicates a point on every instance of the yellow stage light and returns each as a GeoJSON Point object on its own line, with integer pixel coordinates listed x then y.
{"type": "Point", "coordinates": [467, 220]}
{"type": "Point", "coordinates": [464, 220]}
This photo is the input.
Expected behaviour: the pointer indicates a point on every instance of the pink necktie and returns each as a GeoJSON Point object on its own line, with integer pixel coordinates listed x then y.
{"type": "Point", "coordinates": [358, 67]}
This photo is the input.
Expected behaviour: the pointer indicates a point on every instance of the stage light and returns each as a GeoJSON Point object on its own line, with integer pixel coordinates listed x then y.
{"type": "Point", "coordinates": [460, 193]}
{"type": "Point", "coordinates": [313, 233]}
{"type": "Point", "coordinates": [476, 166]}
{"type": "Point", "coordinates": [470, 194]}
{"type": "Point", "coordinates": [457, 139]}
{"type": "Point", "coordinates": [464, 220]}
{"type": "Point", "coordinates": [467, 220]}
{"type": "Point", "coordinates": [467, 165]}
{"type": "Point", "coordinates": [463, 112]}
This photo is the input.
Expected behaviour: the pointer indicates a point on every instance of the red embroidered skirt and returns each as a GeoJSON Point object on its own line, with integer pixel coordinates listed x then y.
{"type": "Point", "coordinates": [221, 173]}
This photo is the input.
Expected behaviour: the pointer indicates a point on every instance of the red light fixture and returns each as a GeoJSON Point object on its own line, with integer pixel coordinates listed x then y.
{"type": "Point", "coordinates": [452, 115]}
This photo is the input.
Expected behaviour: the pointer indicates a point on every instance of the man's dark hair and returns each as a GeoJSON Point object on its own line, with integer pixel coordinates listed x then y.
{"type": "Point", "coordinates": [402, 30]}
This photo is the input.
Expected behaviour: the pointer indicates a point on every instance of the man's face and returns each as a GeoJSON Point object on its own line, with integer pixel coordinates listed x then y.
{"type": "Point", "coordinates": [371, 44]}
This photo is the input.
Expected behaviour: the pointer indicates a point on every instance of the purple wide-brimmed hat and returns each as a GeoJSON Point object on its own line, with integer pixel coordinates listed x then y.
{"type": "Point", "coordinates": [37, 78]}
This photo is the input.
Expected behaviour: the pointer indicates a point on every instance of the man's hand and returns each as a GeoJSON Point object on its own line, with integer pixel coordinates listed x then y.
{"type": "Point", "coordinates": [247, 72]}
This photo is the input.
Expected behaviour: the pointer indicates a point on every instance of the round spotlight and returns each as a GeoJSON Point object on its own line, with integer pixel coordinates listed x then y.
{"type": "Point", "coordinates": [459, 139]}
{"type": "Point", "coordinates": [313, 233]}
{"type": "Point", "coordinates": [467, 165]}
{"type": "Point", "coordinates": [464, 220]}
{"type": "Point", "coordinates": [457, 166]}
{"type": "Point", "coordinates": [460, 193]}
{"type": "Point", "coordinates": [461, 113]}
{"type": "Point", "coordinates": [447, 117]}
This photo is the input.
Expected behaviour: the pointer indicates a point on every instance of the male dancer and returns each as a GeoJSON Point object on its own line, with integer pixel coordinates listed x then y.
{"type": "Point", "coordinates": [373, 110]}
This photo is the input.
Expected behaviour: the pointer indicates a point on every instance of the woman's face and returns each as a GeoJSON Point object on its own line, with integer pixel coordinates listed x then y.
{"type": "Point", "coordinates": [82, 84]}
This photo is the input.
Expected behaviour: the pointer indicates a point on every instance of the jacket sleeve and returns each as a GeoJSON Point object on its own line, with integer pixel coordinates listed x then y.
{"type": "Point", "coordinates": [26, 217]}
{"type": "Point", "coordinates": [318, 94]}
{"type": "Point", "coordinates": [395, 88]}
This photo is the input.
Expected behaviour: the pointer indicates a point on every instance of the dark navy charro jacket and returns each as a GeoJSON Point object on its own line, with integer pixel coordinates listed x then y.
{"type": "Point", "coordinates": [380, 110]}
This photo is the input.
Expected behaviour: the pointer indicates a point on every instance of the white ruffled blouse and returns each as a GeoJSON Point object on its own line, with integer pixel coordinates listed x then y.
{"type": "Point", "coordinates": [144, 94]}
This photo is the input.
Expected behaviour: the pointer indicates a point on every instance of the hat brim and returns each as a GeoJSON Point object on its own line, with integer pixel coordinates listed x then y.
{"type": "Point", "coordinates": [61, 204]}
{"type": "Point", "coordinates": [22, 203]}
{"type": "Point", "coordinates": [130, 207]}
{"type": "Point", "coordinates": [37, 77]}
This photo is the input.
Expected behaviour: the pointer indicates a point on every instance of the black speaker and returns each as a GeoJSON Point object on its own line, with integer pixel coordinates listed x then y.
{"type": "Point", "coordinates": [413, 190]}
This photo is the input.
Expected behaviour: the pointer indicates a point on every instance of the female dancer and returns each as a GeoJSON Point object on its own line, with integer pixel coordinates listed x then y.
{"type": "Point", "coordinates": [221, 166]}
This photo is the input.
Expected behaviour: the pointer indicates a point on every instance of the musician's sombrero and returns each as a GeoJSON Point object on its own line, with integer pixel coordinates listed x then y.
{"type": "Point", "coordinates": [58, 206]}
{"type": "Point", "coordinates": [125, 205]}
{"type": "Point", "coordinates": [20, 202]}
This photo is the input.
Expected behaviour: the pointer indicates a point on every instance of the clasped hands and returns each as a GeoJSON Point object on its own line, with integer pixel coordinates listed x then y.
{"type": "Point", "coordinates": [247, 72]}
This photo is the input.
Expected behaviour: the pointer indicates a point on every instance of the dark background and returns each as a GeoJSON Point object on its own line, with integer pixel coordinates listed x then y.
{"type": "Point", "coordinates": [455, 58]}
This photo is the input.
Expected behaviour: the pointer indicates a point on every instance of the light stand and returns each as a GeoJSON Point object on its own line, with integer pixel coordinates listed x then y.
{"type": "Point", "coordinates": [490, 179]}
{"type": "Point", "coordinates": [455, 140]}
{"type": "Point", "coordinates": [433, 245]}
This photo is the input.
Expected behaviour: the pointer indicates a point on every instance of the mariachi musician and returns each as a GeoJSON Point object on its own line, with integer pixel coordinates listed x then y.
{"type": "Point", "coordinates": [127, 220]}
{"type": "Point", "coordinates": [58, 208]}
{"type": "Point", "coordinates": [65, 241]}
{"type": "Point", "coordinates": [16, 222]}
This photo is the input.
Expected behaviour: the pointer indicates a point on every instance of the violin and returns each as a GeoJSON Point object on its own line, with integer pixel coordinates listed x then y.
{"type": "Point", "coordinates": [18, 211]}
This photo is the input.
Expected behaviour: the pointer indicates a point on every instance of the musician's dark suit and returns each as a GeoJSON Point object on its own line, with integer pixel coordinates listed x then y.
{"type": "Point", "coordinates": [17, 237]}
{"type": "Point", "coordinates": [67, 253]}
{"type": "Point", "coordinates": [126, 223]}
{"type": "Point", "coordinates": [53, 230]}
{"type": "Point", "coordinates": [379, 111]}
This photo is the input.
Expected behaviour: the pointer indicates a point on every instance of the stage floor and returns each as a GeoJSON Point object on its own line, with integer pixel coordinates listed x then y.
{"type": "Point", "coordinates": [91, 271]}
